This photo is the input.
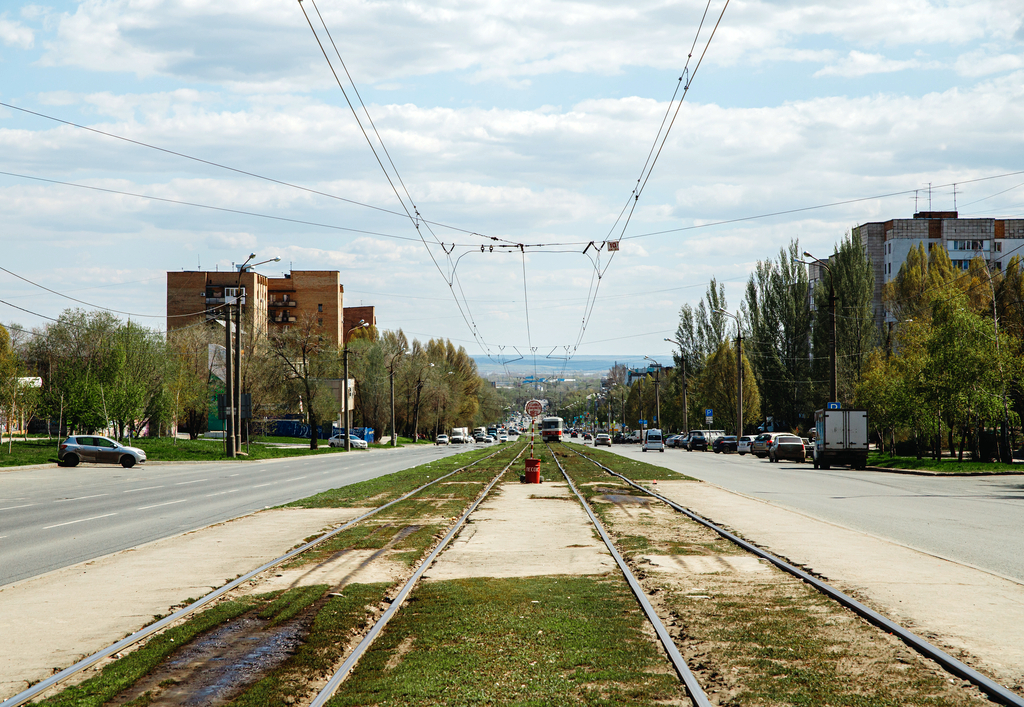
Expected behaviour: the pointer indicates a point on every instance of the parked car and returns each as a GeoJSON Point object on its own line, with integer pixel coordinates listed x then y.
{"type": "Point", "coordinates": [441, 439]}
{"type": "Point", "coordinates": [787, 447]}
{"type": "Point", "coordinates": [726, 443]}
{"type": "Point", "coordinates": [808, 448]}
{"type": "Point", "coordinates": [697, 441]}
{"type": "Point", "coordinates": [684, 441]}
{"type": "Point", "coordinates": [619, 438]}
{"type": "Point", "coordinates": [98, 450]}
{"type": "Point", "coordinates": [354, 442]}
{"type": "Point", "coordinates": [744, 445]}
{"type": "Point", "coordinates": [604, 439]}
{"type": "Point", "coordinates": [763, 444]}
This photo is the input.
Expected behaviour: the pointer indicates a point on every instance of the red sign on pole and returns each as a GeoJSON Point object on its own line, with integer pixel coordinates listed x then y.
{"type": "Point", "coordinates": [534, 408]}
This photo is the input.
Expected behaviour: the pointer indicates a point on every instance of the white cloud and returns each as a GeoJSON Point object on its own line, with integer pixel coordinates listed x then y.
{"type": "Point", "coordinates": [15, 34]}
{"type": "Point", "coordinates": [984, 63]}
{"type": "Point", "coordinates": [860, 64]}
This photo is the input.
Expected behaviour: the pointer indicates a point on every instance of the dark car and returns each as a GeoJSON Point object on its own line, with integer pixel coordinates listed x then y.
{"type": "Point", "coordinates": [724, 444]}
{"type": "Point", "coordinates": [101, 450]}
{"type": "Point", "coordinates": [618, 438]}
{"type": "Point", "coordinates": [786, 447]}
{"type": "Point", "coordinates": [574, 434]}
{"type": "Point", "coordinates": [762, 445]}
{"type": "Point", "coordinates": [697, 441]}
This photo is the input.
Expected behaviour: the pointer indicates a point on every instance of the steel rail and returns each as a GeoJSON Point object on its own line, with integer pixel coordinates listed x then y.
{"type": "Point", "coordinates": [995, 691]}
{"type": "Point", "coordinates": [693, 687]}
{"type": "Point", "coordinates": [343, 672]}
{"type": "Point", "coordinates": [26, 695]}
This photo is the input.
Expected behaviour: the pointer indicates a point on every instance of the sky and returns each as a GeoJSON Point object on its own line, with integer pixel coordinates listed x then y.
{"type": "Point", "coordinates": [521, 125]}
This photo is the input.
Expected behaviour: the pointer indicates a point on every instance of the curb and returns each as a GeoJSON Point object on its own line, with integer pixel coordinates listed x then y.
{"type": "Point", "coordinates": [925, 472]}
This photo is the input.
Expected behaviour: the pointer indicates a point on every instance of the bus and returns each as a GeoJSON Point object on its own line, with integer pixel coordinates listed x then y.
{"type": "Point", "coordinates": [552, 429]}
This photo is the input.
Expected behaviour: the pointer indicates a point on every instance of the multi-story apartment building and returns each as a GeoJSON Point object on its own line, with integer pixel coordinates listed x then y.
{"type": "Point", "coordinates": [889, 242]}
{"type": "Point", "coordinates": [277, 302]}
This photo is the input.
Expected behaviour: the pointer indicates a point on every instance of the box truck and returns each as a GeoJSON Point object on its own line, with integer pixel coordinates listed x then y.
{"type": "Point", "coordinates": [841, 437]}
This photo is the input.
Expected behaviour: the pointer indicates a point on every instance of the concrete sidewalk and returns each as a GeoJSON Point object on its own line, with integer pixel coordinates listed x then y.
{"type": "Point", "coordinates": [973, 615]}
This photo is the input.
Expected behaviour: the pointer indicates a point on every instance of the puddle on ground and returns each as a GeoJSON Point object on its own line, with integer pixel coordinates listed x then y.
{"type": "Point", "coordinates": [620, 499]}
{"type": "Point", "coordinates": [217, 667]}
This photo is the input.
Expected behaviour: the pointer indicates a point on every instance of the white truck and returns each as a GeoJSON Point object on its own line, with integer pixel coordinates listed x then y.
{"type": "Point", "coordinates": [841, 437]}
{"type": "Point", "coordinates": [460, 435]}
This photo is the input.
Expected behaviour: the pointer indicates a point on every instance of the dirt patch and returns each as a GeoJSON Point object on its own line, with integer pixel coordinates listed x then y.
{"type": "Point", "coordinates": [214, 668]}
{"type": "Point", "coordinates": [754, 635]}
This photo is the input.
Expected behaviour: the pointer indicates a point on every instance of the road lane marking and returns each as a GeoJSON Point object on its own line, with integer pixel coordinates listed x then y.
{"type": "Point", "coordinates": [295, 479]}
{"type": "Point", "coordinates": [80, 498]}
{"type": "Point", "coordinates": [230, 475]}
{"type": "Point", "coordinates": [144, 488]}
{"type": "Point", "coordinates": [157, 505]}
{"type": "Point", "coordinates": [11, 508]}
{"type": "Point", "coordinates": [267, 484]}
{"type": "Point", "coordinates": [182, 483]}
{"type": "Point", "coordinates": [80, 520]}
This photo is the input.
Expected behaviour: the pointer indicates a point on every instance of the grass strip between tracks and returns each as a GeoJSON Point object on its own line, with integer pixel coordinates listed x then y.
{"type": "Point", "coordinates": [752, 634]}
{"type": "Point", "coordinates": [341, 615]}
{"type": "Point", "coordinates": [554, 640]}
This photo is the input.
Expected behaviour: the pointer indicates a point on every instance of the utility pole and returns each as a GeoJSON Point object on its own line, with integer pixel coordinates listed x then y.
{"type": "Point", "coordinates": [686, 409]}
{"type": "Point", "coordinates": [237, 440]}
{"type": "Point", "coordinates": [229, 432]}
{"type": "Point", "coordinates": [344, 395]}
{"type": "Point", "coordinates": [739, 382]}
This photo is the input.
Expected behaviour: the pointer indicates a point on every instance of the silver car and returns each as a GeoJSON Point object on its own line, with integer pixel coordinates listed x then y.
{"type": "Point", "coordinates": [354, 442]}
{"type": "Point", "coordinates": [98, 450]}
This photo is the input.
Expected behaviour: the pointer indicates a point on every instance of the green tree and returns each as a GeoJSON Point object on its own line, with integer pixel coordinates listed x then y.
{"type": "Point", "coordinates": [306, 360]}
{"type": "Point", "coordinates": [778, 341]}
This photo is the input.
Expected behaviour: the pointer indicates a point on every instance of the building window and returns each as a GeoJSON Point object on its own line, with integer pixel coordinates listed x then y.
{"type": "Point", "coordinates": [998, 246]}
{"type": "Point", "coordinates": [319, 308]}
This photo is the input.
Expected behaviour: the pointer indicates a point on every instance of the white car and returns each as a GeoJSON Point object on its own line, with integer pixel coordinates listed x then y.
{"type": "Point", "coordinates": [441, 439]}
{"type": "Point", "coordinates": [354, 442]}
{"type": "Point", "coordinates": [744, 445]}
{"type": "Point", "coordinates": [653, 442]}
{"type": "Point", "coordinates": [502, 437]}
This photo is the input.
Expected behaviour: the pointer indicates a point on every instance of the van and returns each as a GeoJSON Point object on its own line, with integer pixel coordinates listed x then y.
{"type": "Point", "coordinates": [654, 441]}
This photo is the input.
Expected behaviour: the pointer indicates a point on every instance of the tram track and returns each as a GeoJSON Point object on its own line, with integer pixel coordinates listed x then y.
{"type": "Point", "coordinates": [993, 690]}
{"type": "Point", "coordinates": [212, 598]}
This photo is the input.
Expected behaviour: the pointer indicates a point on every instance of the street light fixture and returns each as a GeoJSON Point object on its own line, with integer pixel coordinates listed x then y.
{"type": "Point", "coordinates": [348, 442]}
{"type": "Point", "coordinates": [235, 382]}
{"type": "Point", "coordinates": [739, 372]}
{"type": "Point", "coordinates": [834, 396]}
{"type": "Point", "coordinates": [657, 385]}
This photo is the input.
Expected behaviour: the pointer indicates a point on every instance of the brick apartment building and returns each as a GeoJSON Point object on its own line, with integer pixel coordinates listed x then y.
{"type": "Point", "coordinates": [194, 296]}
{"type": "Point", "coordinates": [889, 242]}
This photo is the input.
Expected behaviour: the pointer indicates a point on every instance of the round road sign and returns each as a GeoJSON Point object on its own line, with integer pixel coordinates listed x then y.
{"type": "Point", "coordinates": [534, 408]}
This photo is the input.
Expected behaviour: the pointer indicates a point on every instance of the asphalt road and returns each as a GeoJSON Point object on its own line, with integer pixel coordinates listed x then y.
{"type": "Point", "coordinates": [974, 520]}
{"type": "Point", "coordinates": [55, 517]}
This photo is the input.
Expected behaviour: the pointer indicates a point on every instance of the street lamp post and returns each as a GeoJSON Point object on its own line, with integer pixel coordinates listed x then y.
{"type": "Point", "coordinates": [361, 325]}
{"type": "Point", "coordinates": [394, 436]}
{"type": "Point", "coordinates": [657, 393]}
{"type": "Point", "coordinates": [739, 373]}
{"type": "Point", "coordinates": [834, 396]}
{"type": "Point", "coordinates": [236, 380]}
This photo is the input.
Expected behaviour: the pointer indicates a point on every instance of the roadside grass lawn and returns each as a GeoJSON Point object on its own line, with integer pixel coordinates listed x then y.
{"type": "Point", "coordinates": [946, 466]}
{"type": "Point", "coordinates": [43, 451]}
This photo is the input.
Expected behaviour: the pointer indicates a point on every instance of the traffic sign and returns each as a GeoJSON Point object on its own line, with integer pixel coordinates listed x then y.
{"type": "Point", "coordinates": [833, 406]}
{"type": "Point", "coordinates": [643, 422]}
{"type": "Point", "coordinates": [709, 412]}
{"type": "Point", "coordinates": [534, 408]}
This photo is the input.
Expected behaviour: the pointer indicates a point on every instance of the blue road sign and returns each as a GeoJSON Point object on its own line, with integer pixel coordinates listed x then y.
{"type": "Point", "coordinates": [643, 422]}
{"type": "Point", "coordinates": [834, 406]}
{"type": "Point", "coordinates": [709, 413]}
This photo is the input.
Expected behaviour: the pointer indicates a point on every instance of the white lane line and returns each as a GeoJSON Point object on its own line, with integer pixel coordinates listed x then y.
{"type": "Point", "coordinates": [80, 498]}
{"type": "Point", "coordinates": [221, 493]}
{"type": "Point", "coordinates": [157, 505]}
{"type": "Point", "coordinates": [230, 475]}
{"type": "Point", "coordinates": [295, 479]}
{"type": "Point", "coordinates": [144, 488]}
{"type": "Point", "coordinates": [182, 483]}
{"type": "Point", "coordinates": [267, 484]}
{"type": "Point", "coordinates": [11, 508]}
{"type": "Point", "coordinates": [80, 520]}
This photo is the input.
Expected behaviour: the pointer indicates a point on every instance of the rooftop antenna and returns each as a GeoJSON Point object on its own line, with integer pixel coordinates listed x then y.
{"type": "Point", "coordinates": [954, 196]}
{"type": "Point", "coordinates": [915, 200]}
{"type": "Point", "coordinates": [929, 196]}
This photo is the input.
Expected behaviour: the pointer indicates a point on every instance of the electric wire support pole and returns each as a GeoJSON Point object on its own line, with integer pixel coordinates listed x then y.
{"type": "Point", "coordinates": [739, 383]}
{"type": "Point", "coordinates": [237, 382]}
{"type": "Point", "coordinates": [229, 433]}
{"type": "Point", "coordinates": [344, 395]}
